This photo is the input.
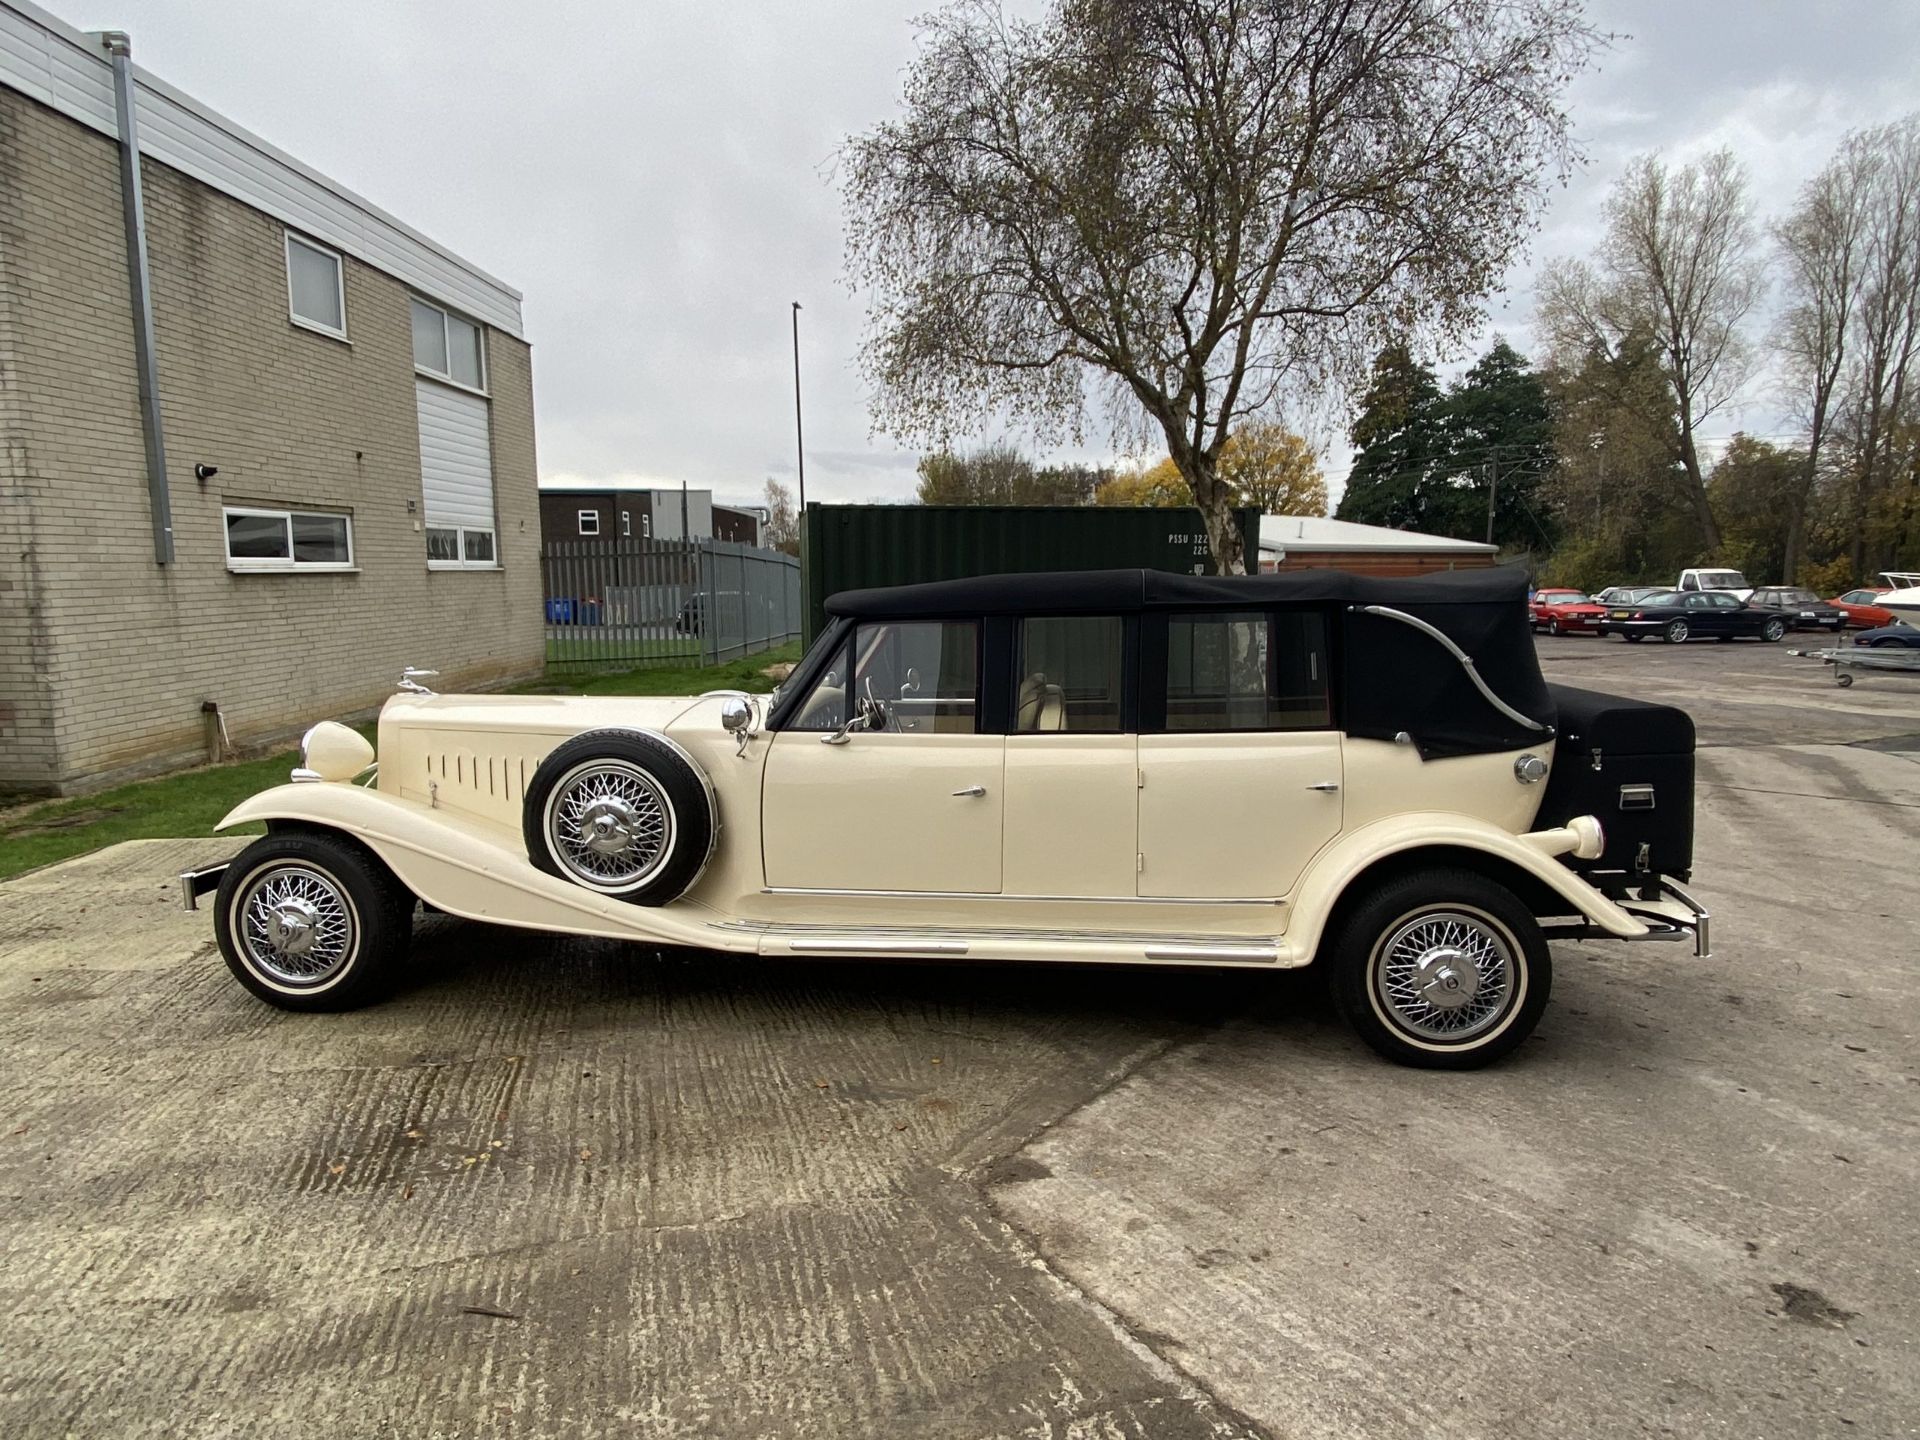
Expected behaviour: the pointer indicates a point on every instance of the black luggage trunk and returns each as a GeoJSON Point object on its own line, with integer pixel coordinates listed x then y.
{"type": "Point", "coordinates": [1629, 764]}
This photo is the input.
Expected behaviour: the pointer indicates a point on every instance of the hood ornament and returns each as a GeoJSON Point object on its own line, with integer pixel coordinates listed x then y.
{"type": "Point", "coordinates": [410, 679]}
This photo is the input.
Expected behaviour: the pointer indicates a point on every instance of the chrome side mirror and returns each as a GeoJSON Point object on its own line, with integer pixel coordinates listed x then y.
{"type": "Point", "coordinates": [866, 716]}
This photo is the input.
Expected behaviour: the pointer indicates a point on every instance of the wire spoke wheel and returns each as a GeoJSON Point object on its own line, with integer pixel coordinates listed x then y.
{"type": "Point", "coordinates": [609, 824]}
{"type": "Point", "coordinates": [1445, 975]}
{"type": "Point", "coordinates": [297, 925]}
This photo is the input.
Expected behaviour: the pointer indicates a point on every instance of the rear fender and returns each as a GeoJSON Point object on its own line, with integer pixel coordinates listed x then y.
{"type": "Point", "coordinates": [474, 870]}
{"type": "Point", "coordinates": [1348, 859]}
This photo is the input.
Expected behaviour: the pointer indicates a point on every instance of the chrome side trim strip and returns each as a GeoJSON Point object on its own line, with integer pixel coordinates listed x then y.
{"type": "Point", "coordinates": [984, 934]}
{"type": "Point", "coordinates": [995, 895]}
{"type": "Point", "coordinates": [1387, 612]}
{"type": "Point", "coordinates": [1265, 954]}
{"type": "Point", "coordinates": [852, 945]}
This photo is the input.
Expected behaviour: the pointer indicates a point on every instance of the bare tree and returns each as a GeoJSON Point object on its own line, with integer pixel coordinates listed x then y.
{"type": "Point", "coordinates": [1823, 252]}
{"type": "Point", "coordinates": [783, 522]}
{"type": "Point", "coordinates": [1676, 270]}
{"type": "Point", "coordinates": [1887, 324]}
{"type": "Point", "coordinates": [999, 474]}
{"type": "Point", "coordinates": [1197, 206]}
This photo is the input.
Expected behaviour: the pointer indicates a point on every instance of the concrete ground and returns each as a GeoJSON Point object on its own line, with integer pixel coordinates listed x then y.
{"type": "Point", "coordinates": [579, 1188]}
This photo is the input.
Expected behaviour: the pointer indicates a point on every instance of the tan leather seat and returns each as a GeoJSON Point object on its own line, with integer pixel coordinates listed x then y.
{"type": "Point", "coordinates": [1042, 706]}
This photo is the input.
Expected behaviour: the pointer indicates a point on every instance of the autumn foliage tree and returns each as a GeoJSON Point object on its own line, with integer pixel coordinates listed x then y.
{"type": "Point", "coordinates": [1262, 464]}
{"type": "Point", "coordinates": [1191, 208]}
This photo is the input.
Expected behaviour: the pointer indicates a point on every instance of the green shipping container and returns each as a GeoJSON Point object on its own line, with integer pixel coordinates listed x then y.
{"type": "Point", "coordinates": [855, 547]}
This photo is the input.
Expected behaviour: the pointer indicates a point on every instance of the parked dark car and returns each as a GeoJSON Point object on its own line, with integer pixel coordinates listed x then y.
{"type": "Point", "coordinates": [735, 613]}
{"type": "Point", "coordinates": [1887, 635]}
{"type": "Point", "coordinates": [1627, 594]}
{"type": "Point", "coordinates": [1804, 609]}
{"type": "Point", "coordinates": [1677, 617]}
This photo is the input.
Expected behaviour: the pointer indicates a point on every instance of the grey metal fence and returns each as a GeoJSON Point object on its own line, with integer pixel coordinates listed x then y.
{"type": "Point", "coordinates": [631, 602]}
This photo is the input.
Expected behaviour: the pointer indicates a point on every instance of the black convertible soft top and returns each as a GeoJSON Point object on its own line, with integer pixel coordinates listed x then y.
{"type": "Point", "coordinates": [1396, 676]}
{"type": "Point", "coordinates": [1108, 592]}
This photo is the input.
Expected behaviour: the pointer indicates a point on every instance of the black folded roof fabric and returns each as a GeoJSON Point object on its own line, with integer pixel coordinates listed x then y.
{"type": "Point", "coordinates": [1395, 678]}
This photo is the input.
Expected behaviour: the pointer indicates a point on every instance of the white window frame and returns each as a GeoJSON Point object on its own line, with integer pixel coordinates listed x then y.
{"type": "Point", "coordinates": [626, 523]}
{"type": "Point", "coordinates": [583, 516]}
{"type": "Point", "coordinates": [252, 565]}
{"type": "Point", "coordinates": [445, 377]}
{"type": "Point", "coordinates": [339, 280]}
{"type": "Point", "coordinates": [463, 531]}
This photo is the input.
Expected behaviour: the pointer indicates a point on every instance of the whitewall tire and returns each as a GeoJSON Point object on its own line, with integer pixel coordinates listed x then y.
{"type": "Point", "coordinates": [312, 921]}
{"type": "Point", "coordinates": [1441, 969]}
{"type": "Point", "coordinates": [623, 813]}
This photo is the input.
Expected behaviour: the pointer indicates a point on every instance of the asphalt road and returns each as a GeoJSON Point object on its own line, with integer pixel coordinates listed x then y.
{"type": "Point", "coordinates": [579, 1188]}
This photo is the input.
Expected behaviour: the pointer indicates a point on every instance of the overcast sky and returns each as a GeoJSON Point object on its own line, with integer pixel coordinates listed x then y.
{"type": "Point", "coordinates": [658, 178]}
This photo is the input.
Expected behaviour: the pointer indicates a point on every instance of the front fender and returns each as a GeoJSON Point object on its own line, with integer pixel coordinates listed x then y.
{"type": "Point", "coordinates": [471, 869]}
{"type": "Point", "coordinates": [1342, 862]}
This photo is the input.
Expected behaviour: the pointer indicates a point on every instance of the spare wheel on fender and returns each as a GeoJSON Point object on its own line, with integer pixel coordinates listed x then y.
{"type": "Point", "coordinates": [623, 812]}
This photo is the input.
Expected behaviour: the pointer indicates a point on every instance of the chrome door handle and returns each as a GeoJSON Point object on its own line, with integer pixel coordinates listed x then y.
{"type": "Point", "coordinates": [976, 791]}
{"type": "Point", "coordinates": [1327, 785]}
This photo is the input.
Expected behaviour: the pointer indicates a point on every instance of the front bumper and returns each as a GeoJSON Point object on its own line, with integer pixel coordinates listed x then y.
{"type": "Point", "coordinates": [1669, 913]}
{"type": "Point", "coordinates": [195, 883]}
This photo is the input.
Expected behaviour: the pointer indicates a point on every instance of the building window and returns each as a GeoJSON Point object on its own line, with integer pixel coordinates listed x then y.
{"type": "Point", "coordinates": [589, 522]}
{"type": "Point", "coordinates": [626, 523]}
{"type": "Point", "coordinates": [316, 287]}
{"type": "Point", "coordinates": [456, 476]}
{"type": "Point", "coordinates": [287, 540]}
{"type": "Point", "coordinates": [447, 347]}
{"type": "Point", "coordinates": [646, 527]}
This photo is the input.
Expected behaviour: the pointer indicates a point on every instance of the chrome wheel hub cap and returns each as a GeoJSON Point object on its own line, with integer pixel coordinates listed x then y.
{"type": "Point", "coordinates": [296, 926]}
{"type": "Point", "coordinates": [609, 824]}
{"type": "Point", "coordinates": [1445, 975]}
{"type": "Point", "coordinates": [1446, 978]}
{"type": "Point", "coordinates": [291, 926]}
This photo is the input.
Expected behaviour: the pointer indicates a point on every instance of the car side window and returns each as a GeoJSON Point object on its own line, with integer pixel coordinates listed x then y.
{"type": "Point", "coordinates": [1241, 670]}
{"type": "Point", "coordinates": [1699, 602]}
{"type": "Point", "coordinates": [1070, 674]}
{"type": "Point", "coordinates": [825, 706]}
{"type": "Point", "coordinates": [924, 675]}
{"type": "Point", "coordinates": [1725, 602]}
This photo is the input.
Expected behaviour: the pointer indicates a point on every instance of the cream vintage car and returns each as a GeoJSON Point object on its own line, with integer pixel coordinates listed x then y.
{"type": "Point", "coordinates": [1113, 767]}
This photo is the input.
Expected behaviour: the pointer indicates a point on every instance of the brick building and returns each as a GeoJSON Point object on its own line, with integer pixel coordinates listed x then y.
{"type": "Point", "coordinates": [570, 510]}
{"type": "Point", "coordinates": [344, 435]}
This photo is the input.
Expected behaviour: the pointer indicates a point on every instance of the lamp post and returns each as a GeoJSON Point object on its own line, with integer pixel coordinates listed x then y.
{"type": "Point", "coordinates": [799, 438]}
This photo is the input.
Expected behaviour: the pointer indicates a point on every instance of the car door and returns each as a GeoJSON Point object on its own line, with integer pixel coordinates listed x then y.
{"type": "Point", "coordinates": [1738, 618]}
{"type": "Point", "coordinates": [1704, 618]}
{"type": "Point", "coordinates": [1240, 763]}
{"type": "Point", "coordinates": [1071, 774]}
{"type": "Point", "coordinates": [914, 803]}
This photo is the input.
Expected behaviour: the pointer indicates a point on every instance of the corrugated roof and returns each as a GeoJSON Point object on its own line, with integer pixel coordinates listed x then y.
{"type": "Point", "coordinates": [1317, 533]}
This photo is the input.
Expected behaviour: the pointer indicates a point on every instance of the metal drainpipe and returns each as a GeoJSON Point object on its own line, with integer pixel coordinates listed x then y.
{"type": "Point", "coordinates": [119, 45]}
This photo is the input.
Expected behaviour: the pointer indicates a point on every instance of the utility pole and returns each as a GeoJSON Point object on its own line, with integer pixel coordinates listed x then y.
{"type": "Point", "coordinates": [799, 439]}
{"type": "Point", "coordinates": [1493, 489]}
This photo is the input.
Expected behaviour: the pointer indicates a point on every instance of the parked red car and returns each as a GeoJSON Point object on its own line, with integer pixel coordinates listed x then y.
{"type": "Point", "coordinates": [1566, 612]}
{"type": "Point", "coordinates": [1862, 613]}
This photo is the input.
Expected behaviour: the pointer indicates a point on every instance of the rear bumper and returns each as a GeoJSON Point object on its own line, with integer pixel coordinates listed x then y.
{"type": "Point", "coordinates": [195, 883]}
{"type": "Point", "coordinates": [1670, 915]}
